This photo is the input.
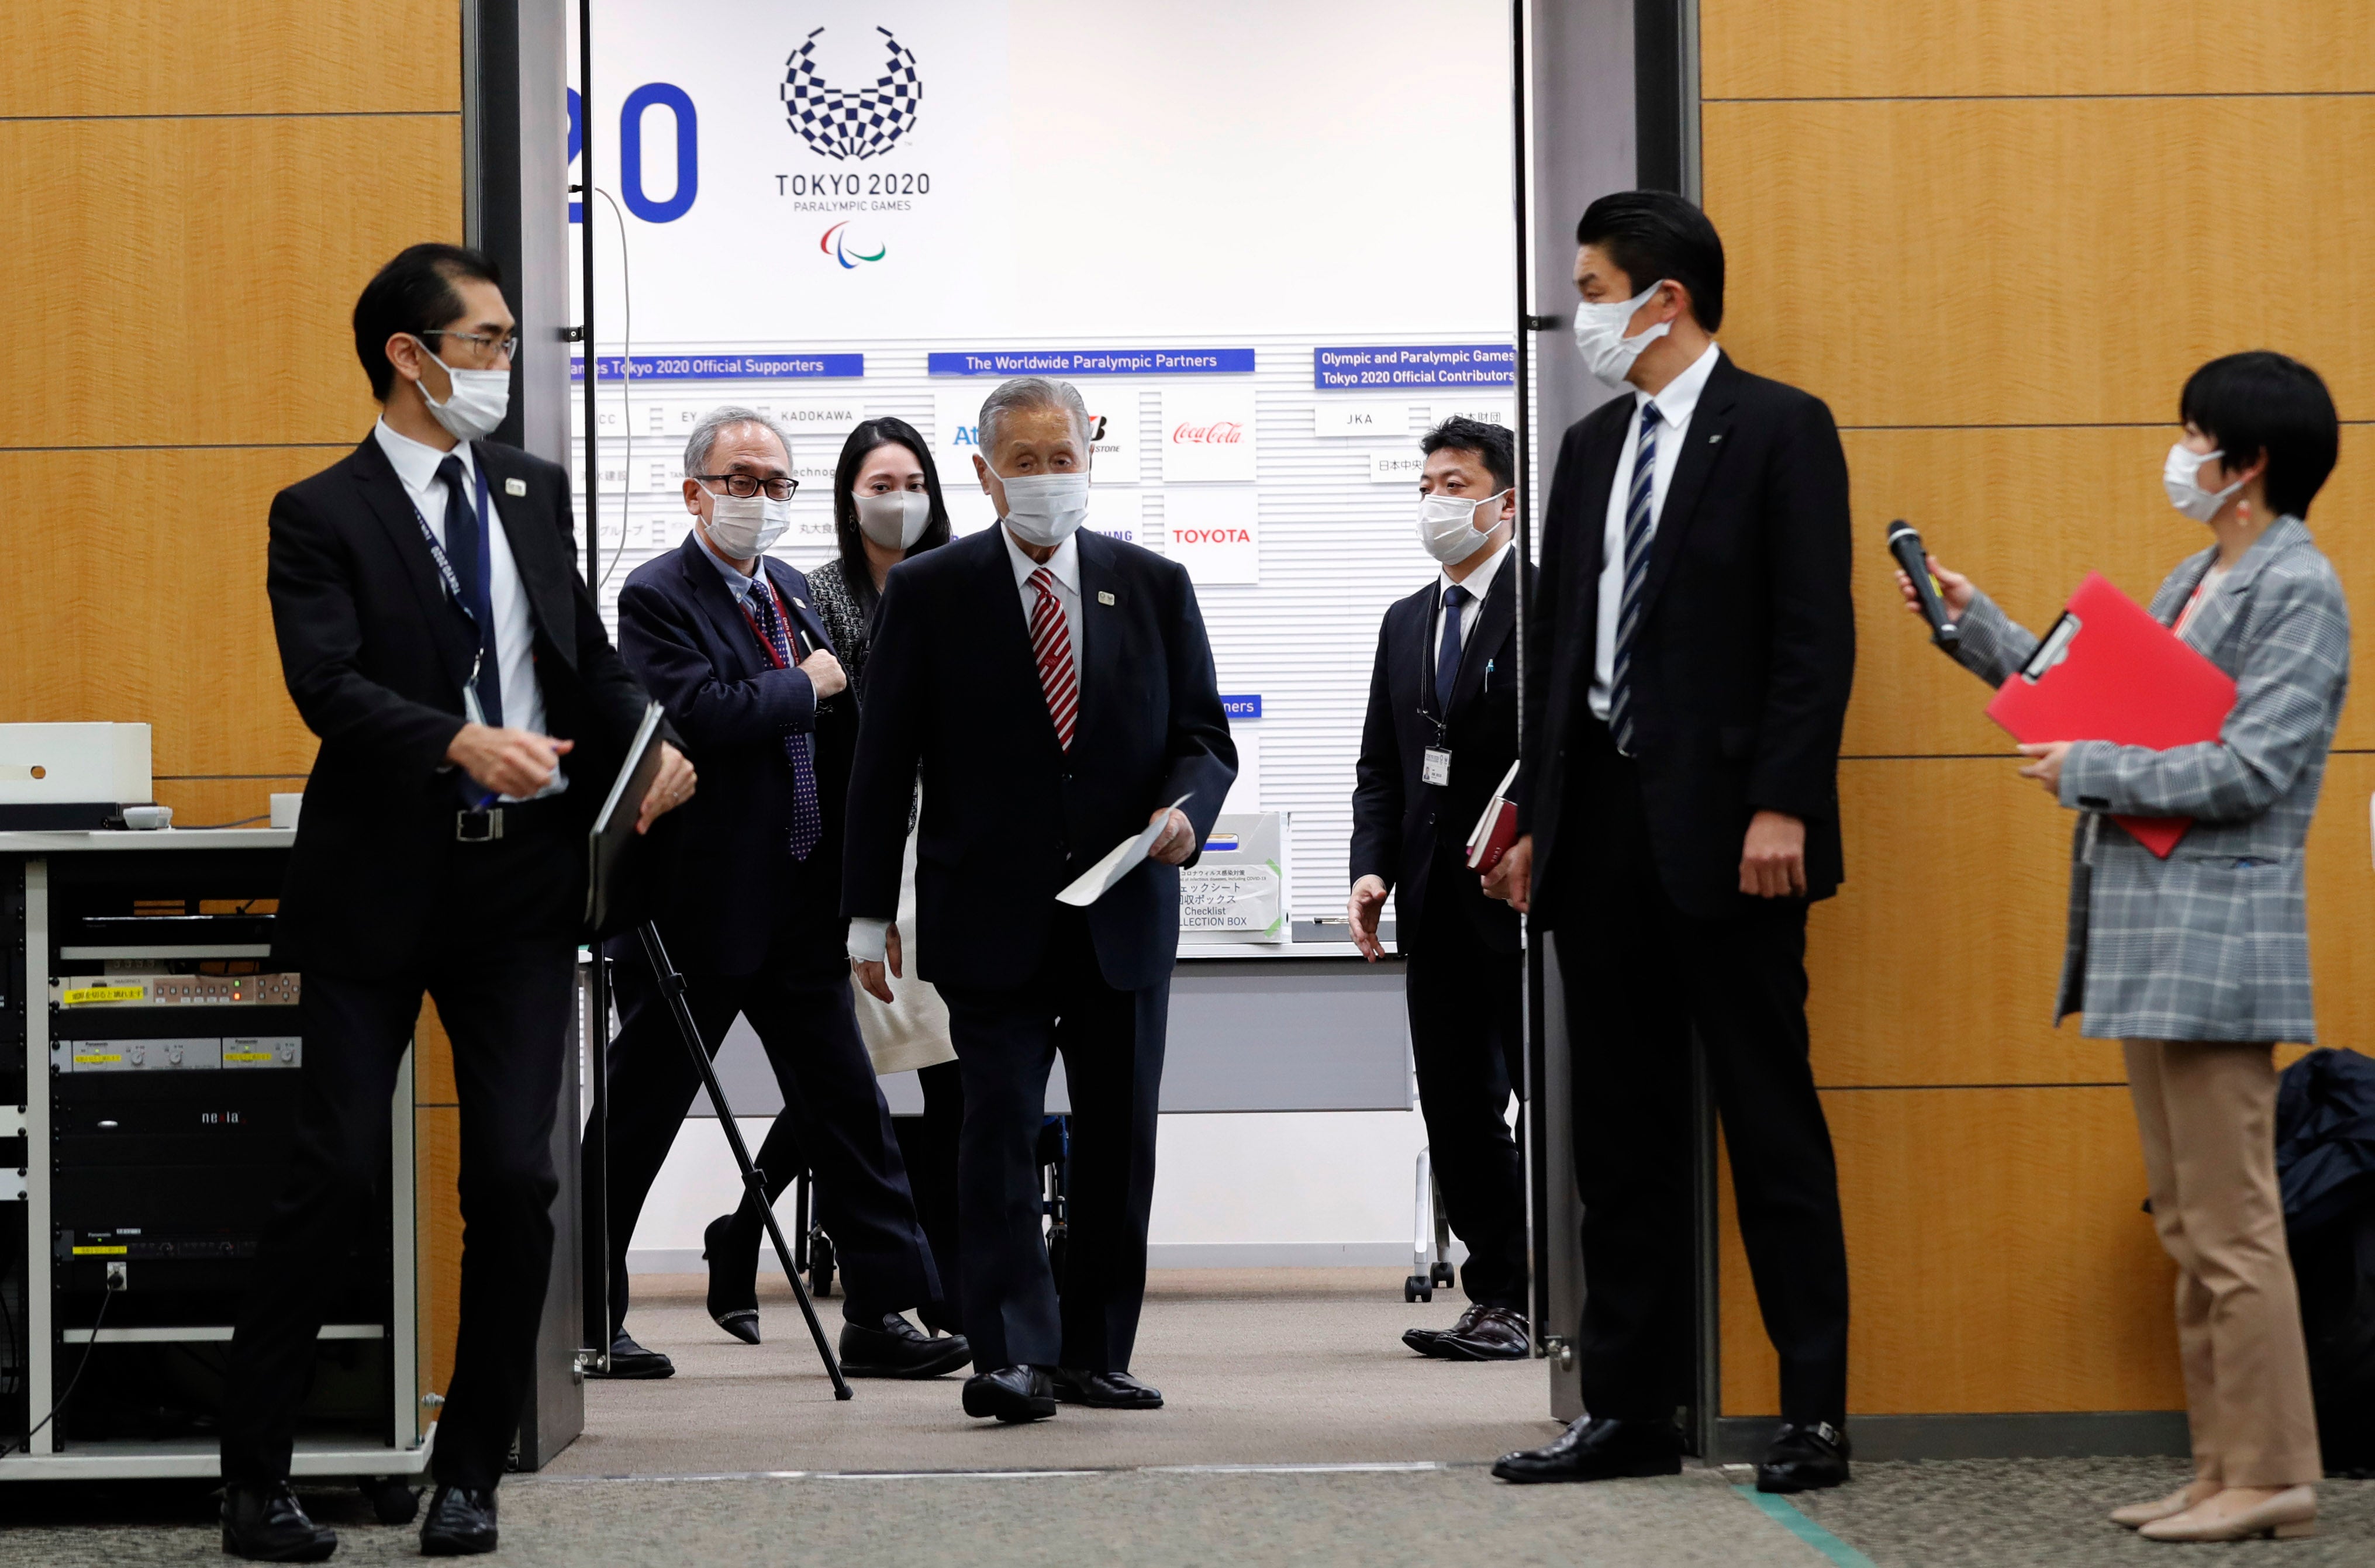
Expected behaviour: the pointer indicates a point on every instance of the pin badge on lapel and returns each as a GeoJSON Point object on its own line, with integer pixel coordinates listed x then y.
{"type": "Point", "coordinates": [515, 487]}
{"type": "Point", "coordinates": [1715, 438]}
{"type": "Point", "coordinates": [1104, 597]}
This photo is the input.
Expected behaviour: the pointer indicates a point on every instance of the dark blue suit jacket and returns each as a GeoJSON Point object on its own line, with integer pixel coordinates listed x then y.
{"type": "Point", "coordinates": [683, 635]}
{"type": "Point", "coordinates": [1403, 826]}
{"type": "Point", "coordinates": [375, 655]}
{"type": "Point", "coordinates": [1008, 816]}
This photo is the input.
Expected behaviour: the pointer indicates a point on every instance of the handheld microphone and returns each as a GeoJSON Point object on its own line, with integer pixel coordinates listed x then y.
{"type": "Point", "coordinates": [1905, 545]}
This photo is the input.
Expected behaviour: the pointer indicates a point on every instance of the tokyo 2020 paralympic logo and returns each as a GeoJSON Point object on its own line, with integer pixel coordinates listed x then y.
{"type": "Point", "coordinates": [836, 244]}
{"type": "Point", "coordinates": [852, 123]}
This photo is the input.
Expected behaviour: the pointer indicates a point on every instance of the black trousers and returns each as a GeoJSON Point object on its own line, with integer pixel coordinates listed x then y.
{"type": "Point", "coordinates": [501, 962]}
{"type": "Point", "coordinates": [930, 1142]}
{"type": "Point", "coordinates": [928, 1145]}
{"type": "Point", "coordinates": [838, 1124]}
{"type": "Point", "coordinates": [1112, 1044]}
{"type": "Point", "coordinates": [1467, 1027]}
{"type": "Point", "coordinates": [1641, 978]}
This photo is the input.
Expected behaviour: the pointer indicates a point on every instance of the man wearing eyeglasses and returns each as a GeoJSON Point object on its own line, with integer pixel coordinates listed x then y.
{"type": "Point", "coordinates": [750, 910]}
{"type": "Point", "coordinates": [436, 633]}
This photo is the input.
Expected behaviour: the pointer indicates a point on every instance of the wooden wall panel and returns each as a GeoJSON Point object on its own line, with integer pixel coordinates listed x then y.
{"type": "Point", "coordinates": [437, 1138]}
{"type": "Point", "coordinates": [1936, 963]}
{"type": "Point", "coordinates": [1998, 1258]}
{"type": "Point", "coordinates": [208, 803]}
{"type": "Point", "coordinates": [2342, 904]}
{"type": "Point", "coordinates": [153, 610]}
{"type": "Point", "coordinates": [110, 58]}
{"type": "Point", "coordinates": [192, 282]}
{"type": "Point", "coordinates": [2041, 262]}
{"type": "Point", "coordinates": [2020, 48]}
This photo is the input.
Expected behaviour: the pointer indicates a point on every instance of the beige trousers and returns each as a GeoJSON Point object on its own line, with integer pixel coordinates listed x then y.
{"type": "Point", "coordinates": [2206, 1113]}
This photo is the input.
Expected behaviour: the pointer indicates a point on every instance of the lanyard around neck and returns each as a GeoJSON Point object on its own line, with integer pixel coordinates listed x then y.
{"type": "Point", "coordinates": [473, 707]}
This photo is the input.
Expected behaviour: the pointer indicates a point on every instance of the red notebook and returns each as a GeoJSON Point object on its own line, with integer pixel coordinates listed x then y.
{"type": "Point", "coordinates": [1496, 830]}
{"type": "Point", "coordinates": [2109, 671]}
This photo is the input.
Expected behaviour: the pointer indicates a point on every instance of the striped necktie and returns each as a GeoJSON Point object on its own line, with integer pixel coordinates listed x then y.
{"type": "Point", "coordinates": [808, 818]}
{"type": "Point", "coordinates": [1051, 648]}
{"type": "Point", "coordinates": [1639, 519]}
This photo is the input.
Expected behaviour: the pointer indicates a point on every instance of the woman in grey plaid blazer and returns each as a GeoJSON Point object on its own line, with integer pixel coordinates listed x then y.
{"type": "Point", "coordinates": [2199, 963]}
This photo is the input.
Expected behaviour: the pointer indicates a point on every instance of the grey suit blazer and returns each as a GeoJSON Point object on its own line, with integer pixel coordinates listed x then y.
{"type": "Point", "coordinates": [2212, 943]}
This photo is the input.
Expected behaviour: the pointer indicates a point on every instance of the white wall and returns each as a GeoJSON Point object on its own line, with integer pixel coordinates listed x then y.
{"type": "Point", "coordinates": [1299, 1188]}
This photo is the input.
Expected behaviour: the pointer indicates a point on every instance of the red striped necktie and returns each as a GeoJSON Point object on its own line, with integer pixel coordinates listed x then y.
{"type": "Point", "coordinates": [1051, 645]}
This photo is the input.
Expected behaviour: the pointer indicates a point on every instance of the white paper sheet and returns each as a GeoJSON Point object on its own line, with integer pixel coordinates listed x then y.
{"type": "Point", "coordinates": [1120, 861]}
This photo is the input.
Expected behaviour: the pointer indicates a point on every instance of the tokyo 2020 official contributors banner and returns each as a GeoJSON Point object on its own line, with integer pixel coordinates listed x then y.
{"type": "Point", "coordinates": [1269, 242]}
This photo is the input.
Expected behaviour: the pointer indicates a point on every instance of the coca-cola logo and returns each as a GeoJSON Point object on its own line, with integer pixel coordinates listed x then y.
{"type": "Point", "coordinates": [1221, 433]}
{"type": "Point", "coordinates": [1211, 537]}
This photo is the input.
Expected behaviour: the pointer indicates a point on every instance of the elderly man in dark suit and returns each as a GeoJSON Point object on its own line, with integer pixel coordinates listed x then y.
{"type": "Point", "coordinates": [1441, 734]}
{"type": "Point", "coordinates": [1693, 640]}
{"type": "Point", "coordinates": [749, 909]}
{"type": "Point", "coordinates": [1056, 691]}
{"type": "Point", "coordinates": [435, 634]}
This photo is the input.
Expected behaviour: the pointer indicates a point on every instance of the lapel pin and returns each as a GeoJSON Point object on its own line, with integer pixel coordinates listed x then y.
{"type": "Point", "coordinates": [802, 603]}
{"type": "Point", "coordinates": [515, 487]}
{"type": "Point", "coordinates": [1715, 438]}
{"type": "Point", "coordinates": [1104, 597]}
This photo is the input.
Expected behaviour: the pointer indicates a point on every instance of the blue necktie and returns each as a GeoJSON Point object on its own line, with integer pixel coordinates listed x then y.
{"type": "Point", "coordinates": [471, 556]}
{"type": "Point", "coordinates": [1637, 521]}
{"type": "Point", "coordinates": [808, 821]}
{"type": "Point", "coordinates": [1446, 657]}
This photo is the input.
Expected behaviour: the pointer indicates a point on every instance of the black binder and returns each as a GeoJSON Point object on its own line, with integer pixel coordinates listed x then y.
{"type": "Point", "coordinates": [610, 847]}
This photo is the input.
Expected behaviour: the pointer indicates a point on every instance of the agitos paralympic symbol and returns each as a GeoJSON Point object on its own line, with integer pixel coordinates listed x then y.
{"type": "Point", "coordinates": [836, 244]}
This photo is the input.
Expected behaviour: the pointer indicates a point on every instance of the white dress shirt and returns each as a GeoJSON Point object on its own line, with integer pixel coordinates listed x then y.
{"type": "Point", "coordinates": [1479, 584]}
{"type": "Point", "coordinates": [416, 468]}
{"type": "Point", "coordinates": [1675, 405]}
{"type": "Point", "coordinates": [868, 941]}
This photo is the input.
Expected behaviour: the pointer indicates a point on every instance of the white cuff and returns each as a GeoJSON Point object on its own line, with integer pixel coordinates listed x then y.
{"type": "Point", "coordinates": [868, 941]}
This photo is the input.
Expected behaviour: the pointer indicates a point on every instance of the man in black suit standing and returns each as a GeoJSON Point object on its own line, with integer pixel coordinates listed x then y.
{"type": "Point", "coordinates": [1693, 638]}
{"type": "Point", "coordinates": [1056, 690]}
{"type": "Point", "coordinates": [1441, 734]}
{"type": "Point", "coordinates": [749, 909]}
{"type": "Point", "coordinates": [434, 632]}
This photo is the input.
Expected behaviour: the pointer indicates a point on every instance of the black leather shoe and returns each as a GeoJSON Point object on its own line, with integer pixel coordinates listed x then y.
{"type": "Point", "coordinates": [1804, 1459]}
{"type": "Point", "coordinates": [897, 1348]}
{"type": "Point", "coordinates": [461, 1522]}
{"type": "Point", "coordinates": [733, 1283]}
{"type": "Point", "coordinates": [629, 1360]}
{"type": "Point", "coordinates": [1599, 1448]}
{"type": "Point", "coordinates": [1011, 1394]}
{"type": "Point", "coordinates": [1483, 1334]}
{"type": "Point", "coordinates": [1104, 1390]}
{"type": "Point", "coordinates": [266, 1524]}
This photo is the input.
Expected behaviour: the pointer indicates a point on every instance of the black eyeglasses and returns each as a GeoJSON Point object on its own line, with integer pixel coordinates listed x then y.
{"type": "Point", "coordinates": [745, 486]}
{"type": "Point", "coordinates": [505, 348]}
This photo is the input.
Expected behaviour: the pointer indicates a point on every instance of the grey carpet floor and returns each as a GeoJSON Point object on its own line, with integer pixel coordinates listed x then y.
{"type": "Point", "coordinates": [1270, 1370]}
{"type": "Point", "coordinates": [1268, 1366]}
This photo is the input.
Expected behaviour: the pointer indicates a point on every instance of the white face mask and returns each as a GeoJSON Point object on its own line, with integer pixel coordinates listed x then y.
{"type": "Point", "coordinates": [2179, 476]}
{"type": "Point", "coordinates": [1450, 527]}
{"type": "Point", "coordinates": [895, 520]}
{"type": "Point", "coordinates": [744, 526]}
{"type": "Point", "coordinates": [476, 403]}
{"type": "Point", "coordinates": [1599, 336]}
{"type": "Point", "coordinates": [1044, 509]}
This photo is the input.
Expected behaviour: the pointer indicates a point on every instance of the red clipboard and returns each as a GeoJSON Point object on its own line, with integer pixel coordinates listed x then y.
{"type": "Point", "coordinates": [2109, 671]}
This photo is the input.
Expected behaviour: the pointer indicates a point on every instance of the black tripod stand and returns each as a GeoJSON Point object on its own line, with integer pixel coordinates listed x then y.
{"type": "Point", "coordinates": [754, 1181]}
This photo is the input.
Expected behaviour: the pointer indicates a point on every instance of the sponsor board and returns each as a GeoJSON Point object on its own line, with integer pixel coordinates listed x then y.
{"type": "Point", "coordinates": [1214, 532]}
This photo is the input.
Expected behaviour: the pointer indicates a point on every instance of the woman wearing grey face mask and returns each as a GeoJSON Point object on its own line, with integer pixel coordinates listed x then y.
{"type": "Point", "coordinates": [2199, 962]}
{"type": "Point", "coordinates": [886, 507]}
